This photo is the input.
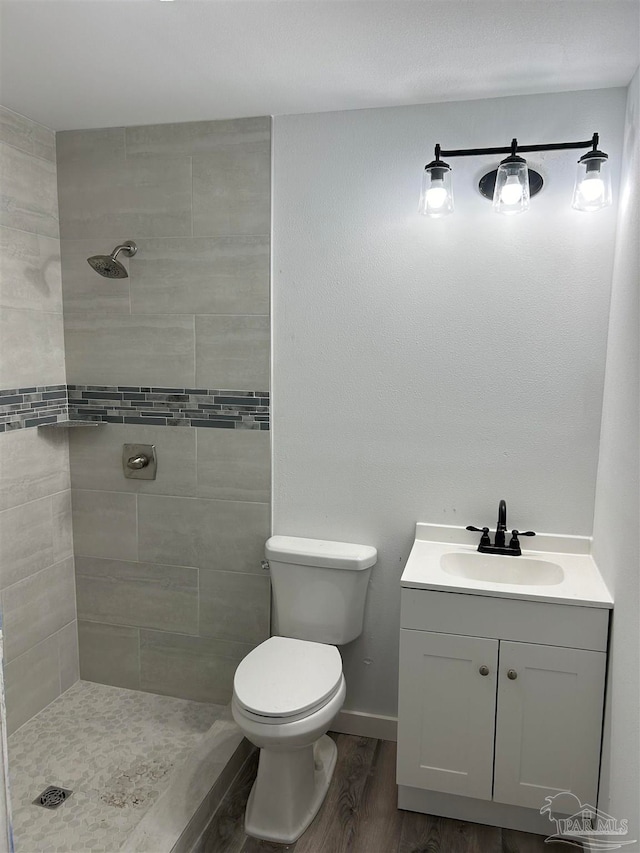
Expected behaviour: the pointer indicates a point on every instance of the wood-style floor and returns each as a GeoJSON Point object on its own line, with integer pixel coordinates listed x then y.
{"type": "Point", "coordinates": [359, 815]}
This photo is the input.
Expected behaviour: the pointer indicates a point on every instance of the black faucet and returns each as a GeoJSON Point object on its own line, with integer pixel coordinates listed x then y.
{"type": "Point", "coordinates": [513, 548]}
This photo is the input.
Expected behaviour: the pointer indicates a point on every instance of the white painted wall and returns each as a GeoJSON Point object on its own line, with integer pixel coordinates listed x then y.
{"type": "Point", "coordinates": [425, 369]}
{"type": "Point", "coordinates": [617, 509]}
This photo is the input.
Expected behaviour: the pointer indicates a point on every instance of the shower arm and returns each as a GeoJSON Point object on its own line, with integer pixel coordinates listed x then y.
{"type": "Point", "coordinates": [128, 248]}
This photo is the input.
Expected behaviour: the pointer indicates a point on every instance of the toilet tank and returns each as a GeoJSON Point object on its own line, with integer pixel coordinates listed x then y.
{"type": "Point", "coordinates": [319, 587]}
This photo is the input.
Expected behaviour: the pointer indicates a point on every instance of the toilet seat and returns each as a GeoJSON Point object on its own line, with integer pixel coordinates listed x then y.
{"type": "Point", "coordinates": [285, 679]}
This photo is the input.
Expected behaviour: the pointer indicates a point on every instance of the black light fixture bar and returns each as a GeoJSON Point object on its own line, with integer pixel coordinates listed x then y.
{"type": "Point", "coordinates": [552, 146]}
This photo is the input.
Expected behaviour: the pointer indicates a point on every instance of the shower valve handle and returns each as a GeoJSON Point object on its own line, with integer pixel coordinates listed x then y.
{"type": "Point", "coordinates": [137, 462]}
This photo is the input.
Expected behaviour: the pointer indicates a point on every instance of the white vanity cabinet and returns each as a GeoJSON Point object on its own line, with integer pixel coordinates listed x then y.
{"type": "Point", "coordinates": [500, 704]}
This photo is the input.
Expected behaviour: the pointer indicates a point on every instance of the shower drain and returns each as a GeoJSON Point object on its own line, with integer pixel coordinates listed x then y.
{"type": "Point", "coordinates": [52, 797]}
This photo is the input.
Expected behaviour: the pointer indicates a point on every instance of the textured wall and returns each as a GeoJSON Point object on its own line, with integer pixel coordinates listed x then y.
{"type": "Point", "coordinates": [170, 591]}
{"type": "Point", "coordinates": [424, 369]}
{"type": "Point", "coordinates": [615, 528]}
{"type": "Point", "coordinates": [36, 562]}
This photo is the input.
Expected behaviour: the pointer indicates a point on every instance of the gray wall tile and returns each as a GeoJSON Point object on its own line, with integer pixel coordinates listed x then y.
{"type": "Point", "coordinates": [32, 348]}
{"type": "Point", "coordinates": [33, 464]}
{"type": "Point", "coordinates": [141, 350]}
{"type": "Point", "coordinates": [224, 535]}
{"type": "Point", "coordinates": [233, 464]}
{"type": "Point", "coordinates": [30, 271]}
{"type": "Point", "coordinates": [232, 352]}
{"type": "Point", "coordinates": [28, 192]}
{"type": "Point", "coordinates": [31, 682]}
{"type": "Point", "coordinates": [197, 137]}
{"type": "Point", "coordinates": [37, 607]}
{"type": "Point", "coordinates": [137, 594]}
{"type": "Point", "coordinates": [87, 149]}
{"type": "Point", "coordinates": [190, 667]}
{"type": "Point", "coordinates": [143, 197]}
{"type": "Point", "coordinates": [62, 526]}
{"type": "Point", "coordinates": [234, 606]}
{"type": "Point", "coordinates": [26, 135]}
{"type": "Point", "coordinates": [104, 525]}
{"type": "Point", "coordinates": [68, 655]}
{"type": "Point", "coordinates": [26, 541]}
{"type": "Point", "coordinates": [201, 275]}
{"type": "Point", "coordinates": [109, 654]}
{"type": "Point", "coordinates": [96, 458]}
{"type": "Point", "coordinates": [86, 291]}
{"type": "Point", "coordinates": [231, 190]}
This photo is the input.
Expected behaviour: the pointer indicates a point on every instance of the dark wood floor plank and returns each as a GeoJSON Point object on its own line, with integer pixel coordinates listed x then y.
{"type": "Point", "coordinates": [525, 842]}
{"type": "Point", "coordinates": [379, 819]}
{"type": "Point", "coordinates": [428, 834]}
{"type": "Point", "coordinates": [252, 845]}
{"type": "Point", "coordinates": [226, 834]}
{"type": "Point", "coordinates": [335, 825]}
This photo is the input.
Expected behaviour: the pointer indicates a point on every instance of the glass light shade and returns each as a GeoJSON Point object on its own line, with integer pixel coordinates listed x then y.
{"type": "Point", "coordinates": [436, 198]}
{"type": "Point", "coordinates": [511, 193]}
{"type": "Point", "coordinates": [593, 183]}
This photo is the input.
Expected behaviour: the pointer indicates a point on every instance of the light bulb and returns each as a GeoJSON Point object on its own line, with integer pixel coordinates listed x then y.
{"type": "Point", "coordinates": [436, 194]}
{"type": "Point", "coordinates": [592, 187]}
{"type": "Point", "coordinates": [511, 192]}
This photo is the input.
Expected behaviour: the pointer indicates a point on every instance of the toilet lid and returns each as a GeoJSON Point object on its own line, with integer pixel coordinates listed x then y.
{"type": "Point", "coordinates": [283, 676]}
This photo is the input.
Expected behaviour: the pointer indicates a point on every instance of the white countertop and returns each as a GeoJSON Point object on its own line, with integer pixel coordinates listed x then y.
{"type": "Point", "coordinates": [582, 584]}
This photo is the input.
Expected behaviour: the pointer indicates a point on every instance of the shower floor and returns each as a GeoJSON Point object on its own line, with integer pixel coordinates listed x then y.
{"type": "Point", "coordinates": [114, 748]}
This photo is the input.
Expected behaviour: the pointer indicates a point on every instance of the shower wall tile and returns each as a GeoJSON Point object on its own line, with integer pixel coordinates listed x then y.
{"type": "Point", "coordinates": [84, 289]}
{"type": "Point", "coordinates": [234, 606]}
{"type": "Point", "coordinates": [201, 275]}
{"type": "Point", "coordinates": [38, 335]}
{"type": "Point", "coordinates": [82, 151]}
{"type": "Point", "coordinates": [30, 271]}
{"type": "Point", "coordinates": [130, 350]}
{"type": "Point", "coordinates": [109, 654]}
{"type": "Point", "coordinates": [232, 351]}
{"type": "Point", "coordinates": [32, 465]}
{"type": "Point", "coordinates": [61, 513]}
{"type": "Point", "coordinates": [142, 196]}
{"type": "Point", "coordinates": [197, 137]}
{"type": "Point", "coordinates": [37, 607]}
{"type": "Point", "coordinates": [96, 458]}
{"type": "Point", "coordinates": [231, 190]}
{"type": "Point", "coordinates": [212, 534]}
{"type": "Point", "coordinates": [195, 668]}
{"type": "Point", "coordinates": [31, 681]}
{"type": "Point", "coordinates": [233, 465]}
{"type": "Point", "coordinates": [137, 594]}
{"type": "Point", "coordinates": [16, 130]}
{"type": "Point", "coordinates": [26, 541]}
{"type": "Point", "coordinates": [104, 525]}
{"type": "Point", "coordinates": [68, 655]}
{"type": "Point", "coordinates": [28, 193]}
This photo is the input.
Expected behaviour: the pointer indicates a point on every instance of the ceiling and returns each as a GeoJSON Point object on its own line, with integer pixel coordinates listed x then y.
{"type": "Point", "coordinates": [95, 63]}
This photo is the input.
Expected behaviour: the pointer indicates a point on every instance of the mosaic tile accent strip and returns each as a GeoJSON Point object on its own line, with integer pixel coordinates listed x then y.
{"type": "Point", "coordinates": [116, 749]}
{"type": "Point", "coordinates": [132, 404]}
{"type": "Point", "coordinates": [33, 406]}
{"type": "Point", "coordinates": [196, 407]}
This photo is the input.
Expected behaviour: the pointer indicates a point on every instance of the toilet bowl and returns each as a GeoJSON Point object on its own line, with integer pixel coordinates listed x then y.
{"type": "Point", "coordinates": [286, 694]}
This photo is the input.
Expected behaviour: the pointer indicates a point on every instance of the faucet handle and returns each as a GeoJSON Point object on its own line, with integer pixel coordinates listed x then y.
{"type": "Point", "coordinates": [484, 539]}
{"type": "Point", "coordinates": [514, 543]}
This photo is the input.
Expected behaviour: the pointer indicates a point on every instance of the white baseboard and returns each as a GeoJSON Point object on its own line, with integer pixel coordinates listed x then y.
{"type": "Point", "coordinates": [366, 725]}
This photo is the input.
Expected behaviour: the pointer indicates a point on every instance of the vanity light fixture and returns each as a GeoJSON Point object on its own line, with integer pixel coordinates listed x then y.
{"type": "Point", "coordinates": [512, 184]}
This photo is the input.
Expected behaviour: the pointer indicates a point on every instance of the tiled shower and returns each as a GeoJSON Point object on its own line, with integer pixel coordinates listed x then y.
{"type": "Point", "coordinates": [151, 585]}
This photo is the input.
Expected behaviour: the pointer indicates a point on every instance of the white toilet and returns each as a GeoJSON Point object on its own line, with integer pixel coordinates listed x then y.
{"type": "Point", "coordinates": [288, 690]}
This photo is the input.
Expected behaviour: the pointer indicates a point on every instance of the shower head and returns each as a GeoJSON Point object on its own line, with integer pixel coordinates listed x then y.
{"type": "Point", "coordinates": [108, 265]}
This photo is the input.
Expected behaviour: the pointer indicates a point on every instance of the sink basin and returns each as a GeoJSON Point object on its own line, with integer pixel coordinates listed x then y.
{"type": "Point", "coordinates": [498, 568]}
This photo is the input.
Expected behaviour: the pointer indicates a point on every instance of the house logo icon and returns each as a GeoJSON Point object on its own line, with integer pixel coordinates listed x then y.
{"type": "Point", "coordinates": [586, 826]}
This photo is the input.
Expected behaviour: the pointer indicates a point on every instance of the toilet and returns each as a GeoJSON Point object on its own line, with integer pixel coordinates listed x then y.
{"type": "Point", "coordinates": [288, 690]}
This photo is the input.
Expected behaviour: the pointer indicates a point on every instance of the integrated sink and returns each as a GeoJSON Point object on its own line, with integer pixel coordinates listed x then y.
{"type": "Point", "coordinates": [496, 568]}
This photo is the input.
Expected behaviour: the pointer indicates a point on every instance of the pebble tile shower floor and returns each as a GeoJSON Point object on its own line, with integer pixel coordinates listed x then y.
{"type": "Point", "coordinates": [114, 748]}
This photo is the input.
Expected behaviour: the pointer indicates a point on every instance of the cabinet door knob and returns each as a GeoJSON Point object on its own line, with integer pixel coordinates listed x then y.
{"type": "Point", "coordinates": [484, 670]}
{"type": "Point", "coordinates": [512, 674]}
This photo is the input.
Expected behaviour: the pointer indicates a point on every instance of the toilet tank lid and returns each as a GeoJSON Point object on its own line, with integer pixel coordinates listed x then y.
{"type": "Point", "coordinates": [320, 552]}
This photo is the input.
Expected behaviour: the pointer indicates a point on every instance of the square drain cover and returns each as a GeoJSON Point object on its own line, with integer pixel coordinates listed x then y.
{"type": "Point", "coordinates": [52, 797]}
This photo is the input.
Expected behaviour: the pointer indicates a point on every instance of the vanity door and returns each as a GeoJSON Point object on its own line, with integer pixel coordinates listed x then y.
{"type": "Point", "coordinates": [549, 723]}
{"type": "Point", "coordinates": [446, 713]}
